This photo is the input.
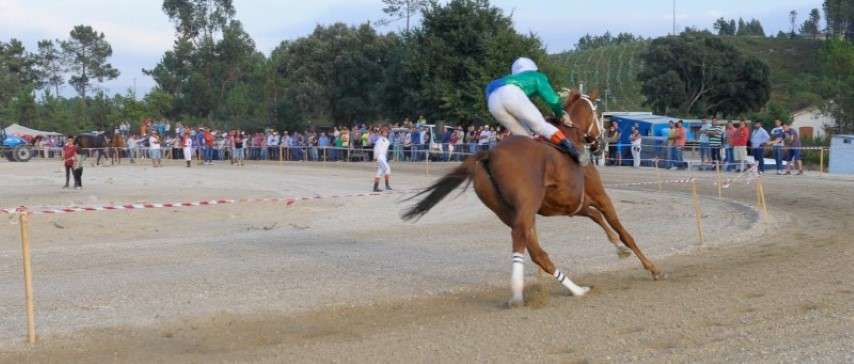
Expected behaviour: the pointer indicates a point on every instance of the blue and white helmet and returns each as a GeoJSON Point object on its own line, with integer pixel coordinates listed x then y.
{"type": "Point", "coordinates": [524, 64]}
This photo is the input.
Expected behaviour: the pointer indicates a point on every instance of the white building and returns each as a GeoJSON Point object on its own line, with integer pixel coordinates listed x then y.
{"type": "Point", "coordinates": [812, 122]}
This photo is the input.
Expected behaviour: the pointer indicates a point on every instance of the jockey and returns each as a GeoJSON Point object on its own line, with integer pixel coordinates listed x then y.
{"type": "Point", "coordinates": [381, 156]}
{"type": "Point", "coordinates": [508, 101]}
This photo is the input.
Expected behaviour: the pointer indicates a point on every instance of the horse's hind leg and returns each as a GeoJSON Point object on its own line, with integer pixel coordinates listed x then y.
{"type": "Point", "coordinates": [604, 204]}
{"type": "Point", "coordinates": [596, 216]}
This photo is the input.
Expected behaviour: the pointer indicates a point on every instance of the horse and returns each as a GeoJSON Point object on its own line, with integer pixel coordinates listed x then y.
{"type": "Point", "coordinates": [92, 141]}
{"type": "Point", "coordinates": [117, 144]}
{"type": "Point", "coordinates": [522, 177]}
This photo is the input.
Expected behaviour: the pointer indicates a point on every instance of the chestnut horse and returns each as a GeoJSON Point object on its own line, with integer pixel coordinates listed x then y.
{"type": "Point", "coordinates": [522, 177]}
{"type": "Point", "coordinates": [117, 144]}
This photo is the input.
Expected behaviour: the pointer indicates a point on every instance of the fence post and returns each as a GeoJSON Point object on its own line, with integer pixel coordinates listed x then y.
{"type": "Point", "coordinates": [760, 198]}
{"type": "Point", "coordinates": [718, 177]}
{"type": "Point", "coordinates": [821, 161]}
{"type": "Point", "coordinates": [658, 174]}
{"type": "Point", "coordinates": [28, 276]}
{"type": "Point", "coordinates": [697, 212]}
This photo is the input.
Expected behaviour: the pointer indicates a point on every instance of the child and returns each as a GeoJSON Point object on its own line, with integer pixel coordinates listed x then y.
{"type": "Point", "coordinates": [79, 158]}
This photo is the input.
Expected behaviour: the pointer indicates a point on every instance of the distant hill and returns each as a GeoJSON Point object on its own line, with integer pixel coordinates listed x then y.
{"type": "Point", "coordinates": [793, 64]}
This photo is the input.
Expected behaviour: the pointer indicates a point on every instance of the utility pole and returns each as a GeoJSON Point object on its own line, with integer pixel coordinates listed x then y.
{"type": "Point", "coordinates": [674, 17]}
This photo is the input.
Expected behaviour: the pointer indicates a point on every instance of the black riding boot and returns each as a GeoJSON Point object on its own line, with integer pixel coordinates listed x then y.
{"type": "Point", "coordinates": [387, 186]}
{"type": "Point", "coordinates": [377, 186]}
{"type": "Point", "coordinates": [582, 158]}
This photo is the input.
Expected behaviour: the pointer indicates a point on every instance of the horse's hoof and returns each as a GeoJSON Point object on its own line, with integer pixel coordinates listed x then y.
{"type": "Point", "coordinates": [623, 252]}
{"type": "Point", "coordinates": [659, 276]}
{"type": "Point", "coordinates": [515, 303]}
{"type": "Point", "coordinates": [581, 291]}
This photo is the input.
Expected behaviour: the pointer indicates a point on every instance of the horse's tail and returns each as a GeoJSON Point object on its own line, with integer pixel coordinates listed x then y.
{"type": "Point", "coordinates": [444, 186]}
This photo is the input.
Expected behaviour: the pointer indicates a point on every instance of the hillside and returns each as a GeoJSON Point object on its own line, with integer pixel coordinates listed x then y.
{"type": "Point", "coordinates": [793, 64]}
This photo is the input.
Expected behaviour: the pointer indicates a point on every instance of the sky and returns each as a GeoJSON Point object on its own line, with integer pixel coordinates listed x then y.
{"type": "Point", "coordinates": [140, 32]}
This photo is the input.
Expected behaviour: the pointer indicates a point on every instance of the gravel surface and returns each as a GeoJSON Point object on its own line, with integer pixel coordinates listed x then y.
{"type": "Point", "coordinates": [343, 280]}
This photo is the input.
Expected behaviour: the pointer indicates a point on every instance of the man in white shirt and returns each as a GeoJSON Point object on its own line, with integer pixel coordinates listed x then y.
{"type": "Point", "coordinates": [381, 156]}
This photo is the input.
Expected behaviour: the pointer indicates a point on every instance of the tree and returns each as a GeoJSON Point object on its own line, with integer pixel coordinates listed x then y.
{"type": "Point", "coordinates": [724, 27]}
{"type": "Point", "coordinates": [839, 15]}
{"type": "Point", "coordinates": [837, 61]}
{"type": "Point", "coordinates": [87, 52]}
{"type": "Point", "coordinates": [402, 10]}
{"type": "Point", "coordinates": [793, 19]}
{"type": "Point", "coordinates": [459, 49]}
{"type": "Point", "coordinates": [698, 74]}
{"type": "Point", "coordinates": [18, 74]}
{"type": "Point", "coordinates": [51, 66]}
{"type": "Point", "coordinates": [810, 26]}
{"type": "Point", "coordinates": [336, 74]}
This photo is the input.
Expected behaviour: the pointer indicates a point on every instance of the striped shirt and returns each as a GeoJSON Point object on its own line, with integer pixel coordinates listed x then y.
{"type": "Point", "coordinates": [715, 134]}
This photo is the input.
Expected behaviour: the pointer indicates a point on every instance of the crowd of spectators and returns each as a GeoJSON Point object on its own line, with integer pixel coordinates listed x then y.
{"type": "Point", "coordinates": [725, 145]}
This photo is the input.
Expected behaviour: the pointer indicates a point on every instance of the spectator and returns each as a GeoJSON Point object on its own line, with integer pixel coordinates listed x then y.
{"type": "Point", "coordinates": [670, 133]}
{"type": "Point", "coordinates": [680, 142]}
{"type": "Point", "coordinates": [187, 143]}
{"type": "Point", "coordinates": [636, 147]}
{"type": "Point", "coordinates": [133, 147]}
{"type": "Point", "coordinates": [729, 135]}
{"type": "Point", "coordinates": [69, 151]}
{"type": "Point", "coordinates": [758, 139]}
{"type": "Point", "coordinates": [613, 139]}
{"type": "Point", "coordinates": [705, 151]}
{"type": "Point", "coordinates": [715, 133]}
{"type": "Point", "coordinates": [208, 140]}
{"type": "Point", "coordinates": [78, 159]}
{"type": "Point", "coordinates": [794, 144]}
{"type": "Point", "coordinates": [154, 149]}
{"type": "Point", "coordinates": [778, 136]}
{"type": "Point", "coordinates": [239, 142]}
{"type": "Point", "coordinates": [739, 144]}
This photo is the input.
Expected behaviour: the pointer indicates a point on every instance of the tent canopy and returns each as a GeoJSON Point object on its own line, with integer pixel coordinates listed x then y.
{"type": "Point", "coordinates": [651, 125]}
{"type": "Point", "coordinates": [21, 131]}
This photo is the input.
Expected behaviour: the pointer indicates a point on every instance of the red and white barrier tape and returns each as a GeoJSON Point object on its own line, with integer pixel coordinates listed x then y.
{"type": "Point", "coordinates": [288, 201]}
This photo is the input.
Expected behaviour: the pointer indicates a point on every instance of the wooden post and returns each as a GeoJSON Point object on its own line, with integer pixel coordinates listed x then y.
{"type": "Point", "coordinates": [658, 174]}
{"type": "Point", "coordinates": [281, 153]}
{"type": "Point", "coordinates": [718, 177]}
{"type": "Point", "coordinates": [427, 161]}
{"type": "Point", "coordinates": [697, 212]}
{"type": "Point", "coordinates": [760, 195]}
{"type": "Point", "coordinates": [821, 161]}
{"type": "Point", "coordinates": [28, 277]}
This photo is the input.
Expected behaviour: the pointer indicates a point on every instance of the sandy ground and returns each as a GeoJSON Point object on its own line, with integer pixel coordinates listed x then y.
{"type": "Point", "coordinates": [343, 280]}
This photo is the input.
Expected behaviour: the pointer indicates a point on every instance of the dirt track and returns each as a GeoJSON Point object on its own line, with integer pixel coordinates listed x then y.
{"type": "Point", "coordinates": [785, 296]}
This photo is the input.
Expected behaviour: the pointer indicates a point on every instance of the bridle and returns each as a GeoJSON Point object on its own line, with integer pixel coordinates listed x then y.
{"type": "Point", "coordinates": [596, 123]}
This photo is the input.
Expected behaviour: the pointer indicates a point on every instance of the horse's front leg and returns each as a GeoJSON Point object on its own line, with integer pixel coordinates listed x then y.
{"type": "Point", "coordinates": [539, 256]}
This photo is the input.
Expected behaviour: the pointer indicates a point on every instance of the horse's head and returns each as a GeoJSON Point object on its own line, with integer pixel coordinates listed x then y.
{"type": "Point", "coordinates": [584, 123]}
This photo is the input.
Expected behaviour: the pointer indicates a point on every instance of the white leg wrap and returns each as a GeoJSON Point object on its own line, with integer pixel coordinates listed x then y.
{"type": "Point", "coordinates": [569, 284]}
{"type": "Point", "coordinates": [517, 282]}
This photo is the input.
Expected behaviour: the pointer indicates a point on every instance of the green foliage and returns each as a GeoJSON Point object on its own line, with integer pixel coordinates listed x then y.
{"type": "Point", "coordinates": [402, 10]}
{"type": "Point", "coordinates": [597, 41]}
{"type": "Point", "coordinates": [811, 25]}
{"type": "Point", "coordinates": [460, 48]}
{"type": "Point", "coordinates": [699, 74]}
{"type": "Point", "coordinates": [50, 65]}
{"type": "Point", "coordinates": [840, 18]}
{"type": "Point", "coordinates": [837, 63]}
{"type": "Point", "coordinates": [86, 53]}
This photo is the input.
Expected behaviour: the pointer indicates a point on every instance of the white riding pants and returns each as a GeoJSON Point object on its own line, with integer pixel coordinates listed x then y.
{"type": "Point", "coordinates": [512, 109]}
{"type": "Point", "coordinates": [383, 169]}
